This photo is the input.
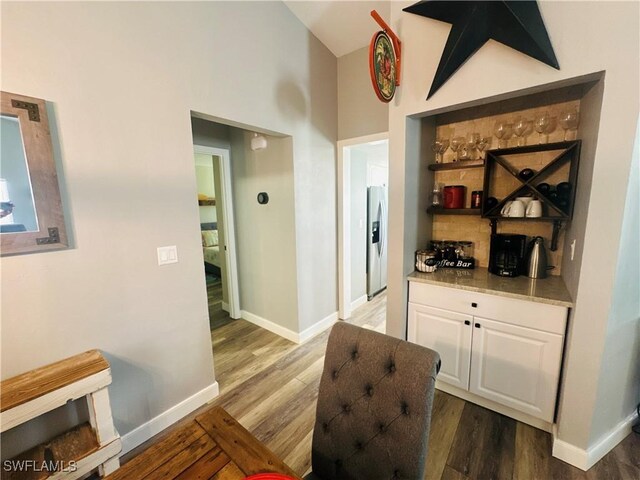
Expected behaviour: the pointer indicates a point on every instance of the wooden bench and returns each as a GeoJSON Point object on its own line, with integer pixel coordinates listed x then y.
{"type": "Point", "coordinates": [79, 450]}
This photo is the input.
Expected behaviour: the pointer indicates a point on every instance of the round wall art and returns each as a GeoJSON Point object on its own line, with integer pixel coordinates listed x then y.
{"type": "Point", "coordinates": [382, 66]}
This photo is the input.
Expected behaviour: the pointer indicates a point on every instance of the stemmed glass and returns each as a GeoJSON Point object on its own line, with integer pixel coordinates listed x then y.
{"type": "Point", "coordinates": [503, 132]}
{"type": "Point", "coordinates": [471, 144]}
{"type": "Point", "coordinates": [444, 145]}
{"type": "Point", "coordinates": [543, 126]}
{"type": "Point", "coordinates": [456, 143]}
{"type": "Point", "coordinates": [439, 147]}
{"type": "Point", "coordinates": [482, 144]}
{"type": "Point", "coordinates": [521, 128]}
{"type": "Point", "coordinates": [569, 121]}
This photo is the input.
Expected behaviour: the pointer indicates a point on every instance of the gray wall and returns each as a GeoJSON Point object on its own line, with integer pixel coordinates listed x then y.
{"type": "Point", "coordinates": [619, 389]}
{"type": "Point", "coordinates": [359, 110]}
{"type": "Point", "coordinates": [265, 234]}
{"type": "Point", "coordinates": [123, 79]}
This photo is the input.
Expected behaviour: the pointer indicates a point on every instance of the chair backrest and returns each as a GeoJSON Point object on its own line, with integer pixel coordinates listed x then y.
{"type": "Point", "coordinates": [374, 407]}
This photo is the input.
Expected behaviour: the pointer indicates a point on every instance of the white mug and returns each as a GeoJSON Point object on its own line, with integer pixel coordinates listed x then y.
{"type": "Point", "coordinates": [525, 200]}
{"type": "Point", "coordinates": [513, 209]}
{"type": "Point", "coordinates": [534, 209]}
{"type": "Point", "coordinates": [517, 209]}
{"type": "Point", "coordinates": [505, 210]}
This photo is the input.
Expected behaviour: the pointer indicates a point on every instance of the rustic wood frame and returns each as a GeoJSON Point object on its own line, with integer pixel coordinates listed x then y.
{"type": "Point", "coordinates": [34, 126]}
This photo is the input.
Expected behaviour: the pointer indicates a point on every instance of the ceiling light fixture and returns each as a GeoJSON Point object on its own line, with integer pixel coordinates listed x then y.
{"type": "Point", "coordinates": [258, 142]}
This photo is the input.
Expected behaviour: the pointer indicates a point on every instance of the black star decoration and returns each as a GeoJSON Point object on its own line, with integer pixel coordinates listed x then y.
{"type": "Point", "coordinates": [516, 24]}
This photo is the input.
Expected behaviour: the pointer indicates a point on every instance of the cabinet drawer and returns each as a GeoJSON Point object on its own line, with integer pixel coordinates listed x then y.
{"type": "Point", "coordinates": [539, 316]}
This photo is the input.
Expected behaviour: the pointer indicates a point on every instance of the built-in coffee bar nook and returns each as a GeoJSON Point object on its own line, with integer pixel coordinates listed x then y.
{"type": "Point", "coordinates": [505, 192]}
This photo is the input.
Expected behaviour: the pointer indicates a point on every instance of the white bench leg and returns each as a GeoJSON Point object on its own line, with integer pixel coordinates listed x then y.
{"type": "Point", "coordinates": [100, 416]}
{"type": "Point", "coordinates": [109, 466]}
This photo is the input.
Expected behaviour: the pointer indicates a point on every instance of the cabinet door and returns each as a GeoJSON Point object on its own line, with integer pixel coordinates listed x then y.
{"type": "Point", "coordinates": [447, 333]}
{"type": "Point", "coordinates": [516, 366]}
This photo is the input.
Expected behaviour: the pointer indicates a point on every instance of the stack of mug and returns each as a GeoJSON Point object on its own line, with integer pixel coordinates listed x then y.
{"type": "Point", "coordinates": [521, 207]}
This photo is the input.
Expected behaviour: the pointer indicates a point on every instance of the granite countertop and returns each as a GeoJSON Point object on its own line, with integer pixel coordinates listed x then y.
{"type": "Point", "coordinates": [550, 290]}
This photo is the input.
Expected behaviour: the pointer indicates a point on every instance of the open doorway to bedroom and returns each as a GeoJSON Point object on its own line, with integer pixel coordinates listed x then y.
{"type": "Point", "coordinates": [245, 191]}
{"type": "Point", "coordinates": [209, 164]}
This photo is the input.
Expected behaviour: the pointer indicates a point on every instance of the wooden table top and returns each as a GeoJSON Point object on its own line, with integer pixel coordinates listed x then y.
{"type": "Point", "coordinates": [213, 446]}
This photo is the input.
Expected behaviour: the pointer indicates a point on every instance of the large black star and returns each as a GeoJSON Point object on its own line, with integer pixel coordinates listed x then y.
{"type": "Point", "coordinates": [517, 24]}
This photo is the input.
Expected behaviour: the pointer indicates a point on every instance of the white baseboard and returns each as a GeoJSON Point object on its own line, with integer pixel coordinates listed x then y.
{"type": "Point", "coordinates": [359, 302]}
{"type": "Point", "coordinates": [225, 306]}
{"type": "Point", "coordinates": [296, 337]}
{"type": "Point", "coordinates": [271, 326]}
{"type": "Point", "coordinates": [320, 326]}
{"type": "Point", "coordinates": [167, 418]}
{"type": "Point", "coordinates": [585, 459]}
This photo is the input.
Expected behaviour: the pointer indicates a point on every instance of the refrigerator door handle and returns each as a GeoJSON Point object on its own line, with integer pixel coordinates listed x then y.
{"type": "Point", "coordinates": [380, 229]}
{"type": "Point", "coordinates": [383, 226]}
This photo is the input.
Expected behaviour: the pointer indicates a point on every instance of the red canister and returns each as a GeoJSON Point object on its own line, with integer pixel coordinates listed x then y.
{"type": "Point", "coordinates": [454, 196]}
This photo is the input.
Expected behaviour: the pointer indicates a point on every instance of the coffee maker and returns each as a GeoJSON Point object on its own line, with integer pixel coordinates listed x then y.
{"type": "Point", "coordinates": [507, 255]}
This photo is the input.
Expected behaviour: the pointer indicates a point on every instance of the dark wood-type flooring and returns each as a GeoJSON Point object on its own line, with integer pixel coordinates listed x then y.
{"type": "Point", "coordinates": [270, 386]}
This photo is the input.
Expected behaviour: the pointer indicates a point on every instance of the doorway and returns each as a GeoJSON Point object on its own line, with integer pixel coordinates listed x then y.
{"type": "Point", "coordinates": [363, 165]}
{"type": "Point", "coordinates": [217, 226]}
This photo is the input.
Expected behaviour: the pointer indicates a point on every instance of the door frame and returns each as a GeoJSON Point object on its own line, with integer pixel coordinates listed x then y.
{"type": "Point", "coordinates": [344, 218]}
{"type": "Point", "coordinates": [228, 218]}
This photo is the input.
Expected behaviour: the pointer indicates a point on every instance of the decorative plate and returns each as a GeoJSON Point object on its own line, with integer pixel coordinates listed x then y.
{"type": "Point", "coordinates": [382, 66]}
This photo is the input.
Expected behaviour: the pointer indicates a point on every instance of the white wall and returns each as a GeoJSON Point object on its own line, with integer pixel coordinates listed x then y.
{"type": "Point", "coordinates": [358, 162]}
{"type": "Point", "coordinates": [122, 79]}
{"type": "Point", "coordinates": [360, 112]}
{"type": "Point", "coordinates": [587, 37]}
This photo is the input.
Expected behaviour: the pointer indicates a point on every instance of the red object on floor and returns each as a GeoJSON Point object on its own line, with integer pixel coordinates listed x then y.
{"type": "Point", "coordinates": [269, 476]}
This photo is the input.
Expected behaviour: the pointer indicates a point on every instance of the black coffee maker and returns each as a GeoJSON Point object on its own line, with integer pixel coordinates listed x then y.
{"type": "Point", "coordinates": [507, 255]}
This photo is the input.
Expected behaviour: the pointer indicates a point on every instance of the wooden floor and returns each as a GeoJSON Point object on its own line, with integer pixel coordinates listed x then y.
{"type": "Point", "coordinates": [270, 385]}
{"type": "Point", "coordinates": [217, 316]}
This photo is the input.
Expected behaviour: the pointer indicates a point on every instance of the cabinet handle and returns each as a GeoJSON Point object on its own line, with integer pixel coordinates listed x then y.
{"type": "Point", "coordinates": [477, 325]}
{"type": "Point", "coordinates": [467, 322]}
{"type": "Point", "coordinates": [474, 305]}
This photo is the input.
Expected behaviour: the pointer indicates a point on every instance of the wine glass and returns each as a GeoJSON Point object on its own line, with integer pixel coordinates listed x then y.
{"type": "Point", "coordinates": [569, 121]}
{"type": "Point", "coordinates": [521, 128]}
{"type": "Point", "coordinates": [472, 144]}
{"type": "Point", "coordinates": [503, 132]}
{"type": "Point", "coordinates": [437, 144]}
{"type": "Point", "coordinates": [444, 145]}
{"type": "Point", "coordinates": [482, 144]}
{"type": "Point", "coordinates": [542, 125]}
{"type": "Point", "coordinates": [456, 143]}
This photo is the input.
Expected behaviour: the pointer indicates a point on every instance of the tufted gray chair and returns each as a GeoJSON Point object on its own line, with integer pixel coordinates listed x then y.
{"type": "Point", "coordinates": [374, 407]}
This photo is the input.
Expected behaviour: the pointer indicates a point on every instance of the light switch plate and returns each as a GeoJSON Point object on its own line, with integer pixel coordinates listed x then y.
{"type": "Point", "coordinates": [167, 255]}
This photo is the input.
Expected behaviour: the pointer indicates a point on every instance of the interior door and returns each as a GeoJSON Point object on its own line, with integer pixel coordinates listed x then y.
{"type": "Point", "coordinates": [516, 366]}
{"type": "Point", "coordinates": [449, 334]}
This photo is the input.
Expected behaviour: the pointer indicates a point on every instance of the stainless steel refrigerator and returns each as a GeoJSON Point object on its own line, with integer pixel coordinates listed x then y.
{"type": "Point", "coordinates": [376, 240]}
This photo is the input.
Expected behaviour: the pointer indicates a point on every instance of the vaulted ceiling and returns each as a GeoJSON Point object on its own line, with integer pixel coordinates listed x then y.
{"type": "Point", "coordinates": [343, 26]}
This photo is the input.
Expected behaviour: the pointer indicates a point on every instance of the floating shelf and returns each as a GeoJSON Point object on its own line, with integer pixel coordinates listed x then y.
{"type": "Point", "coordinates": [207, 203]}
{"type": "Point", "coordinates": [479, 163]}
{"type": "Point", "coordinates": [453, 211]}
{"type": "Point", "coordinates": [528, 219]}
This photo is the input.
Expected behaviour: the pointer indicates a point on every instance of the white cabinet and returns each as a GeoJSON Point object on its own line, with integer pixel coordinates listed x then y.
{"type": "Point", "coordinates": [516, 366]}
{"type": "Point", "coordinates": [509, 352]}
{"type": "Point", "coordinates": [449, 334]}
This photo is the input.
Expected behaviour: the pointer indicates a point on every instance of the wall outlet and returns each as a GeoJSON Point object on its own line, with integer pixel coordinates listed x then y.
{"type": "Point", "coordinates": [573, 249]}
{"type": "Point", "coordinates": [167, 255]}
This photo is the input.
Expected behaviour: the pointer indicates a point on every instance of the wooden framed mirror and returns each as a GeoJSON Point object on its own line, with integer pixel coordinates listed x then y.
{"type": "Point", "coordinates": [31, 217]}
